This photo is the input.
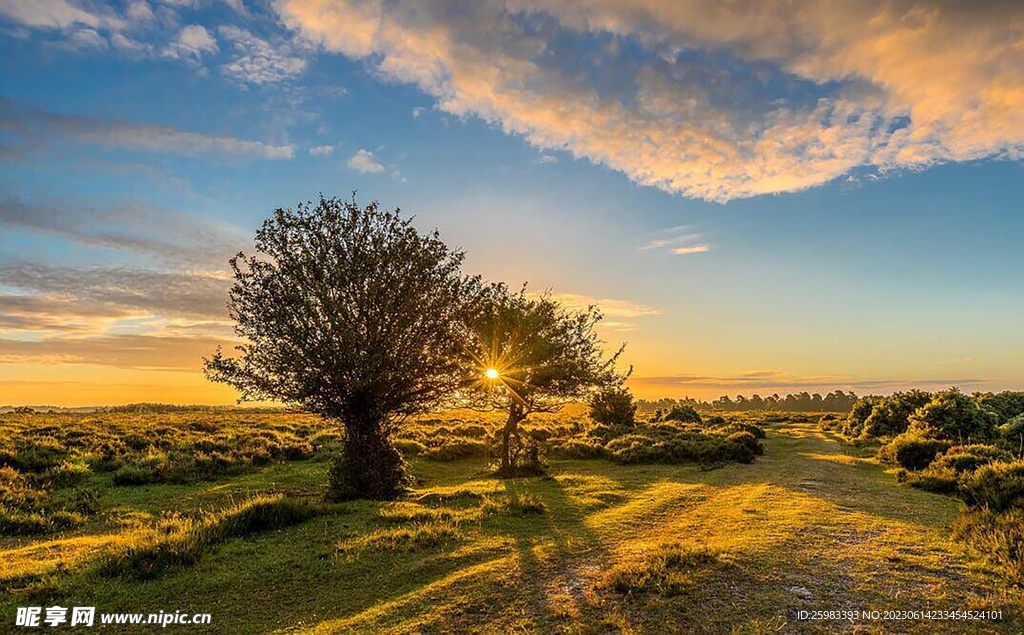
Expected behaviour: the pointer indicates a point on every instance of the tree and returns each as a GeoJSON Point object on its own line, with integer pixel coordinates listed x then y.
{"type": "Point", "coordinates": [1014, 430]}
{"type": "Point", "coordinates": [533, 356]}
{"type": "Point", "coordinates": [613, 406]}
{"type": "Point", "coordinates": [350, 313]}
{"type": "Point", "coordinates": [953, 415]}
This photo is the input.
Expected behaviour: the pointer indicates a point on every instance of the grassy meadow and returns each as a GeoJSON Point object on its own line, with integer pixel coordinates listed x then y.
{"type": "Point", "coordinates": [224, 513]}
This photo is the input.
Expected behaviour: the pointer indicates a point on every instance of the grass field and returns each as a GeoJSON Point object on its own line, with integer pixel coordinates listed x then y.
{"type": "Point", "coordinates": [814, 524]}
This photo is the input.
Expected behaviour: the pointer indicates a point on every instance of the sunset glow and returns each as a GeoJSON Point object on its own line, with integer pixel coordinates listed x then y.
{"type": "Point", "coordinates": [760, 198]}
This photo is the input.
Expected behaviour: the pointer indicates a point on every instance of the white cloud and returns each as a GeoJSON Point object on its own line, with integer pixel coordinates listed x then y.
{"type": "Point", "coordinates": [52, 14]}
{"type": "Point", "coordinates": [365, 162]}
{"type": "Point", "coordinates": [695, 249]}
{"type": "Point", "coordinates": [609, 307]}
{"type": "Point", "coordinates": [416, 112]}
{"type": "Point", "coordinates": [86, 38]}
{"type": "Point", "coordinates": [238, 6]}
{"type": "Point", "coordinates": [726, 100]}
{"type": "Point", "coordinates": [125, 43]}
{"type": "Point", "coordinates": [34, 130]}
{"type": "Point", "coordinates": [258, 61]}
{"type": "Point", "coordinates": [192, 42]}
{"type": "Point", "coordinates": [545, 159]}
{"type": "Point", "coordinates": [321, 151]}
{"type": "Point", "coordinates": [140, 11]}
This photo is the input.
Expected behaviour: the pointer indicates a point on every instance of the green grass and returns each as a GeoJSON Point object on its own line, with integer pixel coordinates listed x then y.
{"type": "Point", "coordinates": [593, 547]}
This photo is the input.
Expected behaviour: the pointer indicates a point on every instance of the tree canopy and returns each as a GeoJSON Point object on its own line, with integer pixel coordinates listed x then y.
{"type": "Point", "coordinates": [351, 313]}
{"type": "Point", "coordinates": [532, 355]}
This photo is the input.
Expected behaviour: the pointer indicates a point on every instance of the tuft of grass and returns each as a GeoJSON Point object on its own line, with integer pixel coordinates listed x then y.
{"type": "Point", "coordinates": [413, 513]}
{"type": "Point", "coordinates": [997, 538]}
{"type": "Point", "coordinates": [414, 538]}
{"type": "Point", "coordinates": [456, 496]}
{"type": "Point", "coordinates": [178, 542]}
{"type": "Point", "coordinates": [515, 505]}
{"type": "Point", "coordinates": [666, 570]}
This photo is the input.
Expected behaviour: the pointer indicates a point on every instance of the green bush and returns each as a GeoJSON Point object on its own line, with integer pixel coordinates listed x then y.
{"type": "Point", "coordinates": [955, 416]}
{"type": "Point", "coordinates": [996, 486]}
{"type": "Point", "coordinates": [34, 454]}
{"type": "Point", "coordinates": [931, 479]}
{"type": "Point", "coordinates": [1013, 432]}
{"type": "Point", "coordinates": [891, 415]}
{"type": "Point", "coordinates": [968, 458]}
{"type": "Point", "coordinates": [410, 447]}
{"type": "Point", "coordinates": [581, 449]}
{"type": "Point", "coordinates": [456, 448]}
{"type": "Point", "coordinates": [686, 414]}
{"type": "Point", "coordinates": [613, 406]}
{"type": "Point", "coordinates": [1006, 405]}
{"type": "Point", "coordinates": [67, 474]}
{"type": "Point", "coordinates": [912, 451]}
{"type": "Point", "coordinates": [747, 439]}
{"type": "Point", "coordinates": [859, 413]}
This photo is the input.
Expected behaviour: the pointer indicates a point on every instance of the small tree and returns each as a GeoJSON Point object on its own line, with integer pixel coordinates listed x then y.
{"type": "Point", "coordinates": [350, 313]}
{"type": "Point", "coordinates": [533, 356]}
{"type": "Point", "coordinates": [1013, 430]}
{"type": "Point", "coordinates": [613, 406]}
{"type": "Point", "coordinates": [953, 415]}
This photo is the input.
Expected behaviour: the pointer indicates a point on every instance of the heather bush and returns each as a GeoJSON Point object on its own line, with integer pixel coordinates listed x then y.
{"type": "Point", "coordinates": [613, 406]}
{"type": "Point", "coordinates": [996, 486]}
{"type": "Point", "coordinates": [912, 451]}
{"type": "Point", "coordinates": [685, 414]}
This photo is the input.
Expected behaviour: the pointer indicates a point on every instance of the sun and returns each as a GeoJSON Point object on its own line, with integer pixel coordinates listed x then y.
{"type": "Point", "coordinates": [491, 373]}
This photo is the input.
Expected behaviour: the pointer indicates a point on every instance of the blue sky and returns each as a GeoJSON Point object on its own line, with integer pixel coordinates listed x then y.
{"type": "Point", "coordinates": [754, 214]}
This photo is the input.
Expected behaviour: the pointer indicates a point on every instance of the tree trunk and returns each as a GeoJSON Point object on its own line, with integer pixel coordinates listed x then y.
{"type": "Point", "coordinates": [369, 466]}
{"type": "Point", "coordinates": [510, 431]}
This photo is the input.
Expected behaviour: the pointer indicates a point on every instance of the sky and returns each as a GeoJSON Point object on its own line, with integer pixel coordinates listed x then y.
{"type": "Point", "coordinates": [762, 197]}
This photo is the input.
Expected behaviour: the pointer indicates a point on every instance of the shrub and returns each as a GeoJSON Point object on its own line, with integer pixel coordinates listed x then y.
{"type": "Point", "coordinates": [67, 474]}
{"type": "Point", "coordinates": [891, 415]}
{"type": "Point", "coordinates": [581, 449]}
{"type": "Point", "coordinates": [968, 458]}
{"type": "Point", "coordinates": [999, 538]}
{"type": "Point", "coordinates": [686, 414]}
{"type": "Point", "coordinates": [1006, 405]}
{"type": "Point", "coordinates": [746, 439]}
{"type": "Point", "coordinates": [1013, 430]}
{"type": "Point", "coordinates": [996, 486]}
{"type": "Point", "coordinates": [613, 406]}
{"type": "Point", "coordinates": [410, 447]}
{"type": "Point", "coordinates": [953, 415]}
{"type": "Point", "coordinates": [757, 431]}
{"type": "Point", "coordinates": [34, 454]}
{"type": "Point", "coordinates": [858, 414]}
{"type": "Point", "coordinates": [939, 481]}
{"type": "Point", "coordinates": [455, 449]}
{"type": "Point", "coordinates": [911, 451]}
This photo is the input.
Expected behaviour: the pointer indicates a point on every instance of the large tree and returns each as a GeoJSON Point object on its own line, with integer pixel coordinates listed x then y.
{"type": "Point", "coordinates": [351, 313]}
{"type": "Point", "coordinates": [533, 356]}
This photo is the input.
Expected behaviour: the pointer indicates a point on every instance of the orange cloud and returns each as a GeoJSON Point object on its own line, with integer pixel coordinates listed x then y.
{"type": "Point", "coordinates": [883, 84]}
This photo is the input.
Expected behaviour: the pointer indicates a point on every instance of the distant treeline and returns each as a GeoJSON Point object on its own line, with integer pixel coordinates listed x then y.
{"type": "Point", "coordinates": [836, 401]}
